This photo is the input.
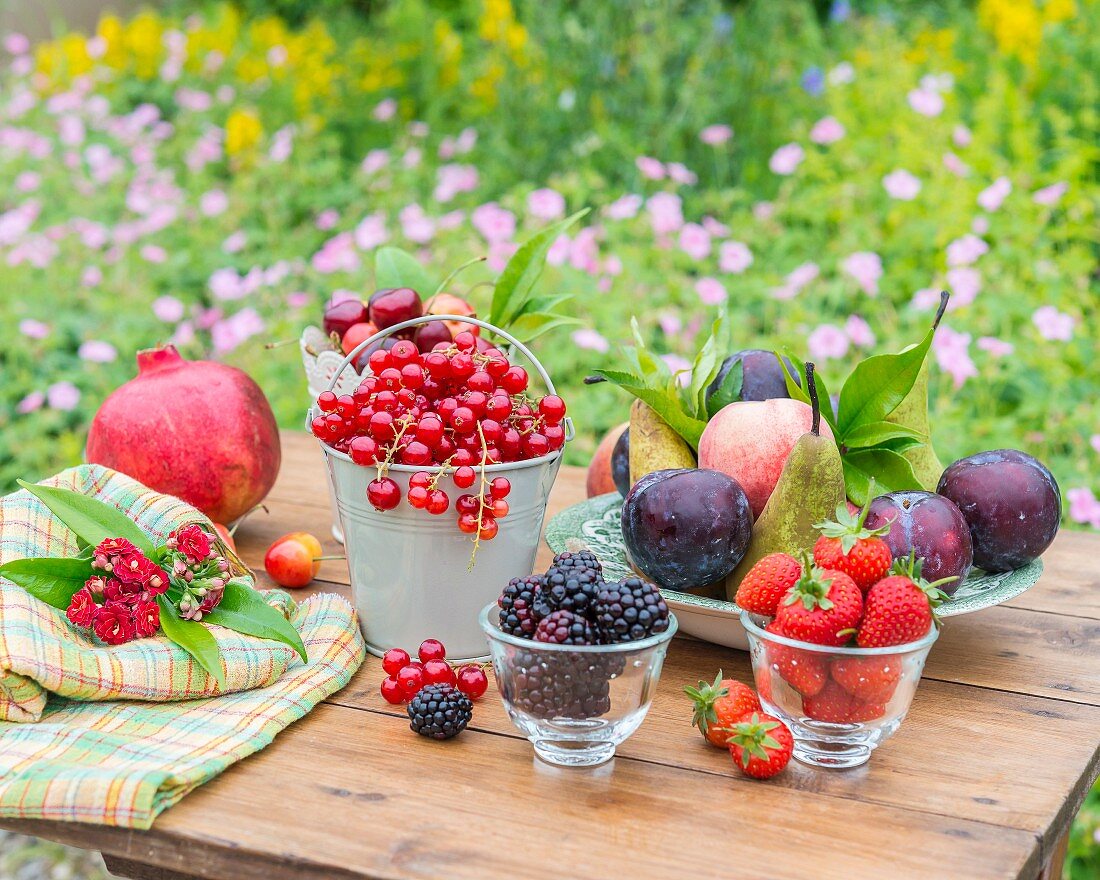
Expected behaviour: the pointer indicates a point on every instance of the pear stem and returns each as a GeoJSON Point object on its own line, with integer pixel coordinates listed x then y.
{"type": "Point", "coordinates": [811, 389]}
{"type": "Point", "coordinates": [594, 380]}
{"type": "Point", "coordinates": [944, 297]}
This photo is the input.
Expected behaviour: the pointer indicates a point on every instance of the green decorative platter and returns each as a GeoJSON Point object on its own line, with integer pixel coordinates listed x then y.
{"type": "Point", "coordinates": [596, 525]}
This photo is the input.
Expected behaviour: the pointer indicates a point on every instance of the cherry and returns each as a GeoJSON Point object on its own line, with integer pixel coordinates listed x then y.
{"type": "Point", "coordinates": [326, 401]}
{"type": "Point", "coordinates": [438, 502]}
{"type": "Point", "coordinates": [472, 681]}
{"type": "Point", "coordinates": [395, 659]}
{"type": "Point", "coordinates": [340, 316]}
{"type": "Point", "coordinates": [363, 450]}
{"type": "Point", "coordinates": [427, 336]}
{"type": "Point", "coordinates": [438, 672]}
{"type": "Point", "coordinates": [392, 692]}
{"type": "Point", "coordinates": [411, 678]}
{"type": "Point", "coordinates": [552, 409]}
{"type": "Point", "coordinates": [293, 560]}
{"type": "Point", "coordinates": [488, 529]}
{"type": "Point", "coordinates": [388, 307]}
{"type": "Point", "coordinates": [417, 496]}
{"type": "Point", "coordinates": [431, 649]}
{"type": "Point", "coordinates": [383, 494]}
{"type": "Point", "coordinates": [514, 381]}
{"type": "Point", "coordinates": [464, 477]}
{"type": "Point", "coordinates": [421, 480]}
{"type": "Point", "coordinates": [355, 334]}
{"type": "Point", "coordinates": [499, 487]}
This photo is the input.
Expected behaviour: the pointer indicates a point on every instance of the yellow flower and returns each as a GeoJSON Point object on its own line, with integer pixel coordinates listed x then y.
{"type": "Point", "coordinates": [485, 86]}
{"type": "Point", "coordinates": [448, 49]}
{"type": "Point", "coordinates": [62, 60]}
{"type": "Point", "coordinates": [496, 19]}
{"type": "Point", "coordinates": [1055, 11]}
{"type": "Point", "coordinates": [142, 39]}
{"type": "Point", "coordinates": [243, 131]}
{"type": "Point", "coordinates": [109, 30]}
{"type": "Point", "coordinates": [1015, 25]}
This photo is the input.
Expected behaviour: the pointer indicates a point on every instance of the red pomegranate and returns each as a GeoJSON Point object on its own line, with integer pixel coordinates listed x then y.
{"type": "Point", "coordinates": [199, 430]}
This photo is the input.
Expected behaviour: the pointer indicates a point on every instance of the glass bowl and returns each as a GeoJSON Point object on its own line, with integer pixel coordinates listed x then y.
{"type": "Point", "coordinates": [840, 703]}
{"type": "Point", "coordinates": [575, 703]}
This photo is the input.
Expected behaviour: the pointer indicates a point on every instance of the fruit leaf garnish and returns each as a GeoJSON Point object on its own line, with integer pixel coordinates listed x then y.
{"type": "Point", "coordinates": [651, 380]}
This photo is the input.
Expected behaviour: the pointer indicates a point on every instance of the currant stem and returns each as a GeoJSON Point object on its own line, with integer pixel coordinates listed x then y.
{"type": "Point", "coordinates": [480, 499]}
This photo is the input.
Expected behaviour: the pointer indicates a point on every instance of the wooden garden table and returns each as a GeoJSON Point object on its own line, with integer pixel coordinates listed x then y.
{"type": "Point", "coordinates": [982, 780]}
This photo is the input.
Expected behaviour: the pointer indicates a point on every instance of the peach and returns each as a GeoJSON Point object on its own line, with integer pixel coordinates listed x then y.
{"type": "Point", "coordinates": [599, 480]}
{"type": "Point", "coordinates": [751, 440]}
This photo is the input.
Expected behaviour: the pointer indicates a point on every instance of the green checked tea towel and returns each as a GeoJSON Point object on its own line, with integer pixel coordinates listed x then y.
{"type": "Point", "coordinates": [120, 733]}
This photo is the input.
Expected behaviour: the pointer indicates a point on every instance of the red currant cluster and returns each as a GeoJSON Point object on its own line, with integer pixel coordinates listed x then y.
{"type": "Point", "coordinates": [451, 409]}
{"type": "Point", "coordinates": [408, 676]}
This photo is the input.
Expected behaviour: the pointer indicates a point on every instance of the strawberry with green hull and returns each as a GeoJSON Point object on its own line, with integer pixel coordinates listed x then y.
{"type": "Point", "coordinates": [761, 745]}
{"type": "Point", "coordinates": [823, 607]}
{"type": "Point", "coordinates": [835, 705]}
{"type": "Point", "coordinates": [900, 608]}
{"type": "Point", "coordinates": [847, 545]}
{"type": "Point", "coordinates": [767, 583]}
{"type": "Point", "coordinates": [872, 679]}
{"type": "Point", "coordinates": [719, 706]}
{"type": "Point", "coordinates": [805, 671]}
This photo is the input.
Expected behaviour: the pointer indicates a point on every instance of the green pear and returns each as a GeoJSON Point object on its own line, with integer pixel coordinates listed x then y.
{"type": "Point", "coordinates": [810, 488]}
{"type": "Point", "coordinates": [654, 446]}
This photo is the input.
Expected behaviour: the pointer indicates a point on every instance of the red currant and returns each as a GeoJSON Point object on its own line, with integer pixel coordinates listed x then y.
{"type": "Point", "coordinates": [437, 364]}
{"type": "Point", "coordinates": [490, 430]}
{"type": "Point", "coordinates": [438, 502]}
{"type": "Point", "coordinates": [514, 381]}
{"type": "Point", "coordinates": [488, 529]}
{"type": "Point", "coordinates": [535, 445]}
{"type": "Point", "coordinates": [381, 426]}
{"type": "Point", "coordinates": [463, 456]}
{"type": "Point", "coordinates": [411, 678]}
{"type": "Point", "coordinates": [326, 401]}
{"type": "Point", "coordinates": [492, 455]}
{"type": "Point", "coordinates": [319, 427]}
{"type": "Point", "coordinates": [472, 681]}
{"type": "Point", "coordinates": [465, 341]}
{"type": "Point", "coordinates": [395, 659]}
{"type": "Point", "coordinates": [475, 401]}
{"type": "Point", "coordinates": [499, 487]}
{"type": "Point", "coordinates": [463, 420]}
{"type": "Point", "coordinates": [390, 378]}
{"type": "Point", "coordinates": [464, 477]}
{"type": "Point", "coordinates": [363, 450]}
{"type": "Point", "coordinates": [510, 443]}
{"type": "Point", "coordinates": [392, 692]}
{"type": "Point", "coordinates": [417, 496]}
{"type": "Point", "coordinates": [555, 436]}
{"type": "Point", "coordinates": [499, 407]}
{"type": "Point", "coordinates": [446, 407]}
{"type": "Point", "coordinates": [496, 366]}
{"type": "Point", "coordinates": [385, 401]}
{"type": "Point", "coordinates": [334, 426]}
{"type": "Point", "coordinates": [552, 409]}
{"type": "Point", "coordinates": [421, 479]}
{"type": "Point", "coordinates": [429, 431]}
{"type": "Point", "coordinates": [438, 672]}
{"type": "Point", "coordinates": [462, 365]}
{"type": "Point", "coordinates": [467, 522]}
{"type": "Point", "coordinates": [467, 504]}
{"type": "Point", "coordinates": [498, 507]}
{"type": "Point", "coordinates": [481, 381]}
{"type": "Point", "coordinates": [379, 360]}
{"type": "Point", "coordinates": [431, 649]}
{"type": "Point", "coordinates": [412, 376]}
{"type": "Point", "coordinates": [345, 405]}
{"type": "Point", "coordinates": [383, 494]}
{"type": "Point", "coordinates": [416, 453]}
{"type": "Point", "coordinates": [404, 352]}
{"type": "Point", "coordinates": [444, 449]}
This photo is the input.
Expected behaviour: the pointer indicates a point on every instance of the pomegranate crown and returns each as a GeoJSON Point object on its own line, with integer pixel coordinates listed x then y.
{"type": "Point", "coordinates": [849, 527]}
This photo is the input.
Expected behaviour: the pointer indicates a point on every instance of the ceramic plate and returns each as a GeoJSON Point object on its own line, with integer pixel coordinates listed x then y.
{"type": "Point", "coordinates": [595, 525]}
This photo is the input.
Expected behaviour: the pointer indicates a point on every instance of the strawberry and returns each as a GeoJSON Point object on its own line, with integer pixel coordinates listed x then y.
{"type": "Point", "coordinates": [805, 671]}
{"type": "Point", "coordinates": [847, 545]}
{"type": "Point", "coordinates": [901, 607]}
{"type": "Point", "coordinates": [719, 705]}
{"type": "Point", "coordinates": [761, 745]}
{"type": "Point", "coordinates": [871, 679]}
{"type": "Point", "coordinates": [823, 607]}
{"type": "Point", "coordinates": [834, 704]}
{"type": "Point", "coordinates": [767, 582]}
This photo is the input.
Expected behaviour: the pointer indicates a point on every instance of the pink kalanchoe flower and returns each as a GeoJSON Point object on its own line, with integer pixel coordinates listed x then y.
{"type": "Point", "coordinates": [715, 135]}
{"type": "Point", "coordinates": [624, 207]}
{"type": "Point", "coordinates": [965, 283]}
{"type": "Point", "coordinates": [827, 131]}
{"type": "Point", "coordinates": [965, 250]}
{"type": "Point", "coordinates": [82, 607]}
{"type": "Point", "coordinates": [859, 332]}
{"type": "Point", "coordinates": [168, 309]}
{"type": "Point", "coordinates": [866, 268]}
{"type": "Point", "coordinates": [213, 203]}
{"type": "Point", "coordinates": [952, 354]}
{"type": "Point", "coordinates": [34, 329]}
{"type": "Point", "coordinates": [651, 169]}
{"type": "Point", "coordinates": [193, 542]}
{"type": "Point", "coordinates": [680, 173]}
{"type": "Point", "coordinates": [145, 616]}
{"type": "Point", "coordinates": [734, 257]}
{"type": "Point", "coordinates": [996, 347]}
{"type": "Point", "coordinates": [991, 198]}
{"type": "Point", "coordinates": [711, 291]}
{"type": "Point", "coordinates": [494, 222]}
{"type": "Point", "coordinates": [546, 204]}
{"type": "Point", "coordinates": [695, 241]}
{"type": "Point", "coordinates": [665, 212]}
{"type": "Point", "coordinates": [1052, 324]}
{"type": "Point", "coordinates": [926, 102]}
{"type": "Point", "coordinates": [97, 352]}
{"type": "Point", "coordinates": [63, 396]}
{"type": "Point", "coordinates": [786, 159]}
{"type": "Point", "coordinates": [113, 624]}
{"type": "Point", "coordinates": [371, 232]}
{"type": "Point", "coordinates": [385, 110]}
{"type": "Point", "coordinates": [591, 340]}
{"type": "Point", "coordinates": [1050, 195]}
{"type": "Point", "coordinates": [827, 341]}
{"type": "Point", "coordinates": [901, 185]}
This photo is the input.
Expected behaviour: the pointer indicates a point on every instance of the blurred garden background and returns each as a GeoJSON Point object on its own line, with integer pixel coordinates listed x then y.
{"type": "Point", "coordinates": [211, 174]}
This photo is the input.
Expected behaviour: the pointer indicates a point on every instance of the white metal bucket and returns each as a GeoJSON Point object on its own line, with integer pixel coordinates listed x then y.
{"type": "Point", "coordinates": [409, 570]}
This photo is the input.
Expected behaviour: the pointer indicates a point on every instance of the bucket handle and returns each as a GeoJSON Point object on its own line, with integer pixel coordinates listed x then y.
{"type": "Point", "coordinates": [570, 433]}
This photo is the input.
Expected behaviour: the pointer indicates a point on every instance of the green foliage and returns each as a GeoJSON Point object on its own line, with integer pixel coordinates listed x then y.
{"type": "Point", "coordinates": [193, 637]}
{"type": "Point", "coordinates": [244, 610]}
{"type": "Point", "coordinates": [53, 580]}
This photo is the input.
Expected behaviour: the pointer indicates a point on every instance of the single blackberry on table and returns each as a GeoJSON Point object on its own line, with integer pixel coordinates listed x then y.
{"type": "Point", "coordinates": [562, 684]}
{"type": "Point", "coordinates": [630, 610]}
{"type": "Point", "coordinates": [572, 582]}
{"type": "Point", "coordinates": [565, 628]}
{"type": "Point", "coordinates": [440, 711]}
{"type": "Point", "coordinates": [522, 606]}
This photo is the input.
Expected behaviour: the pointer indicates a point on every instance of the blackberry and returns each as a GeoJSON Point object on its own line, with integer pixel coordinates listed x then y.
{"type": "Point", "coordinates": [565, 628]}
{"type": "Point", "coordinates": [630, 610]}
{"type": "Point", "coordinates": [522, 606]}
{"type": "Point", "coordinates": [440, 711]}
{"type": "Point", "coordinates": [559, 684]}
{"type": "Point", "coordinates": [572, 582]}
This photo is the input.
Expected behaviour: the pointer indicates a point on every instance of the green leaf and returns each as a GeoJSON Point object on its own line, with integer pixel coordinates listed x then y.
{"type": "Point", "coordinates": [890, 471]}
{"type": "Point", "coordinates": [394, 267]}
{"type": "Point", "coordinates": [244, 610]}
{"type": "Point", "coordinates": [532, 325]}
{"type": "Point", "coordinates": [901, 444]}
{"type": "Point", "coordinates": [665, 402]}
{"type": "Point", "coordinates": [878, 384]}
{"type": "Point", "coordinates": [729, 391]}
{"type": "Point", "coordinates": [875, 433]}
{"type": "Point", "coordinates": [91, 519]}
{"type": "Point", "coordinates": [705, 367]}
{"type": "Point", "coordinates": [518, 279]}
{"type": "Point", "coordinates": [193, 637]}
{"type": "Point", "coordinates": [53, 580]}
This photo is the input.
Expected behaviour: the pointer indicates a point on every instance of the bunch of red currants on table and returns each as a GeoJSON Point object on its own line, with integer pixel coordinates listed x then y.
{"type": "Point", "coordinates": [439, 698]}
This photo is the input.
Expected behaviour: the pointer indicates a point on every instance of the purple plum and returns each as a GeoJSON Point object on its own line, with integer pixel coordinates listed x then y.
{"type": "Point", "coordinates": [929, 526]}
{"type": "Point", "coordinates": [1010, 501]}
{"type": "Point", "coordinates": [620, 463]}
{"type": "Point", "coordinates": [761, 376]}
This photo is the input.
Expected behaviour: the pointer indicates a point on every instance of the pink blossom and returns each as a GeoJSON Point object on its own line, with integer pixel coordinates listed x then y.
{"type": "Point", "coordinates": [612, 265]}
{"type": "Point", "coordinates": [711, 291]}
{"type": "Point", "coordinates": [168, 309]}
{"type": "Point", "coordinates": [546, 204]}
{"type": "Point", "coordinates": [714, 135]}
{"type": "Point", "coordinates": [70, 130]}
{"type": "Point", "coordinates": [336, 255]}
{"type": "Point", "coordinates": [665, 212]}
{"type": "Point", "coordinates": [97, 352]}
{"type": "Point", "coordinates": [230, 332]}
{"type": "Point", "coordinates": [282, 144]}
{"type": "Point", "coordinates": [670, 323]}
{"type": "Point", "coordinates": [193, 100]}
{"type": "Point", "coordinates": [92, 276]}
{"type": "Point", "coordinates": [965, 283]}
{"type": "Point", "coordinates": [30, 403]}
{"type": "Point", "coordinates": [327, 219]}
{"type": "Point", "coordinates": [624, 207]}
{"type": "Point", "coordinates": [1050, 195]}
{"type": "Point", "coordinates": [695, 241]}
{"type": "Point", "coordinates": [1084, 508]}
{"type": "Point", "coordinates": [343, 295]}
{"type": "Point", "coordinates": [454, 179]}
{"type": "Point", "coordinates": [584, 252]}
{"type": "Point", "coordinates": [371, 232]}
{"type": "Point", "coordinates": [859, 332]}
{"type": "Point", "coordinates": [184, 334]}
{"type": "Point", "coordinates": [866, 268]}
{"type": "Point", "coordinates": [559, 251]}
{"type": "Point", "coordinates": [990, 198]}
{"type": "Point", "coordinates": [901, 185]}
{"type": "Point", "coordinates": [451, 220]}
{"type": "Point", "coordinates": [734, 257]}
{"type": "Point", "coordinates": [416, 226]}
{"type": "Point", "coordinates": [16, 44]}
{"type": "Point", "coordinates": [494, 222]}
{"type": "Point", "coordinates": [980, 225]}
{"type": "Point", "coordinates": [63, 396]}
{"type": "Point", "coordinates": [763, 211]}
{"type": "Point", "coordinates": [1052, 324]}
{"type": "Point", "coordinates": [418, 129]}
{"type": "Point", "coordinates": [590, 340]}
{"type": "Point", "coordinates": [827, 131]}
{"type": "Point", "coordinates": [207, 149]}
{"type": "Point", "coordinates": [15, 223]}
{"type": "Point", "coordinates": [28, 181]}
{"type": "Point", "coordinates": [966, 250]}
{"type": "Point", "coordinates": [499, 254]}
{"type": "Point", "coordinates": [679, 367]}
{"type": "Point", "coordinates": [235, 242]}
{"type": "Point", "coordinates": [34, 329]}
{"type": "Point", "coordinates": [952, 354]}
{"type": "Point", "coordinates": [961, 135]}
{"type": "Point", "coordinates": [786, 159]}
{"type": "Point", "coordinates": [153, 253]}
{"type": "Point", "coordinates": [1094, 442]}
{"type": "Point", "coordinates": [716, 228]}
{"type": "Point", "coordinates": [466, 141]}
{"type": "Point", "coordinates": [926, 102]}
{"type": "Point", "coordinates": [651, 169]}
{"type": "Point", "coordinates": [842, 74]}
{"type": "Point", "coordinates": [385, 110]}
{"type": "Point", "coordinates": [213, 202]}
{"type": "Point", "coordinates": [996, 347]}
{"type": "Point", "coordinates": [827, 341]}
{"type": "Point", "coordinates": [680, 173]}
{"type": "Point", "coordinates": [955, 165]}
{"type": "Point", "coordinates": [411, 157]}
{"type": "Point", "coordinates": [374, 162]}
{"type": "Point", "coordinates": [298, 299]}
{"type": "Point", "coordinates": [796, 280]}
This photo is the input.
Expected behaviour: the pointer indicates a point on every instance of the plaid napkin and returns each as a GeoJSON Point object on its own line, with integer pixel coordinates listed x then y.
{"type": "Point", "coordinates": [92, 758]}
